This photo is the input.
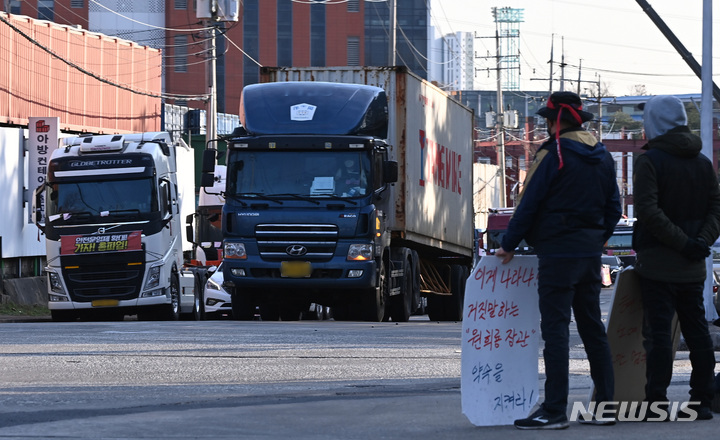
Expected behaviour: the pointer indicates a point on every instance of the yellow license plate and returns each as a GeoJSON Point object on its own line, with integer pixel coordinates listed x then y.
{"type": "Point", "coordinates": [105, 303]}
{"type": "Point", "coordinates": [295, 269]}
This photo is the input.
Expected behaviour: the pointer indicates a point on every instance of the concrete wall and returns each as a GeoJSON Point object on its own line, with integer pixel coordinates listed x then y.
{"type": "Point", "coordinates": [25, 291]}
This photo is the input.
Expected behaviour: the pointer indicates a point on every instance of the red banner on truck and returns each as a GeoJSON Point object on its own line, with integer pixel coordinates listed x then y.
{"type": "Point", "coordinates": [88, 244]}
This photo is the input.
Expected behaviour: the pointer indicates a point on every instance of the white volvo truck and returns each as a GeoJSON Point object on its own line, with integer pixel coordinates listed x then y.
{"type": "Point", "coordinates": [113, 222]}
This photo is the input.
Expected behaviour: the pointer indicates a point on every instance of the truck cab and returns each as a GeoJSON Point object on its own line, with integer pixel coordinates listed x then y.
{"type": "Point", "coordinates": [112, 221]}
{"type": "Point", "coordinates": [307, 179]}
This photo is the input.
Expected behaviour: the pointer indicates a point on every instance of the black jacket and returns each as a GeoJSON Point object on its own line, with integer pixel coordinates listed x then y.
{"type": "Point", "coordinates": [676, 197]}
{"type": "Point", "coordinates": [569, 211]}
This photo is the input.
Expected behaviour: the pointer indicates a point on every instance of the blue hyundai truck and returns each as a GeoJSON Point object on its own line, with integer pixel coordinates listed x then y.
{"type": "Point", "coordinates": [353, 196]}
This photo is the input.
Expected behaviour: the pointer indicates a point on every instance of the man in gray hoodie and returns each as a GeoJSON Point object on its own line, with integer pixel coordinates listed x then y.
{"type": "Point", "coordinates": [677, 203]}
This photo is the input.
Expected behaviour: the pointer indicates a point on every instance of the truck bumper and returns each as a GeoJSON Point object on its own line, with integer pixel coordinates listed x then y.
{"type": "Point", "coordinates": [333, 275]}
{"type": "Point", "coordinates": [137, 302]}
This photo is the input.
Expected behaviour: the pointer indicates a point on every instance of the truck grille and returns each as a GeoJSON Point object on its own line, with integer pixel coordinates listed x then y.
{"type": "Point", "coordinates": [278, 242]}
{"type": "Point", "coordinates": [90, 277]}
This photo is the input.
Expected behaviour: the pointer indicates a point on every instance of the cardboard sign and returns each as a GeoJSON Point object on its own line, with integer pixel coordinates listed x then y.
{"type": "Point", "coordinates": [500, 341]}
{"type": "Point", "coordinates": [624, 331]}
{"type": "Point", "coordinates": [88, 244]}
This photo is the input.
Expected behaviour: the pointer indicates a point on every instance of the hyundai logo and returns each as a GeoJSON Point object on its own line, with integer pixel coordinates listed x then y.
{"type": "Point", "coordinates": [296, 250]}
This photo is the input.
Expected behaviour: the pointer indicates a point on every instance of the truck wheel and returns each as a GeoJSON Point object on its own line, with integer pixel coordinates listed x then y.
{"type": "Point", "coordinates": [401, 305]}
{"type": "Point", "coordinates": [172, 310]}
{"type": "Point", "coordinates": [291, 312]}
{"type": "Point", "coordinates": [374, 300]}
{"type": "Point", "coordinates": [63, 315]}
{"type": "Point", "coordinates": [436, 307]}
{"type": "Point", "coordinates": [454, 303]}
{"type": "Point", "coordinates": [199, 304]}
{"type": "Point", "coordinates": [270, 312]}
{"type": "Point", "coordinates": [243, 308]}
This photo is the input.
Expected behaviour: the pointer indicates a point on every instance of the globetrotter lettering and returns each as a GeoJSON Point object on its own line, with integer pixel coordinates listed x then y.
{"type": "Point", "coordinates": [443, 167]}
{"type": "Point", "coordinates": [86, 244]}
{"type": "Point", "coordinates": [96, 163]}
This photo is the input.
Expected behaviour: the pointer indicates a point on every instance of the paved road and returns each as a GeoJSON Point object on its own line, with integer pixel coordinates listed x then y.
{"type": "Point", "coordinates": [261, 380]}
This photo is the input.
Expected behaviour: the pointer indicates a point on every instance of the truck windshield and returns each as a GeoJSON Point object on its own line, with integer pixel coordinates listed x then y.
{"type": "Point", "coordinates": [306, 173]}
{"type": "Point", "coordinates": [104, 197]}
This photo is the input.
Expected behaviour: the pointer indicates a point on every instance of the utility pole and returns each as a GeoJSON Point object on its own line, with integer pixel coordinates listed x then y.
{"type": "Point", "coordinates": [393, 33]}
{"type": "Point", "coordinates": [211, 123]}
{"type": "Point", "coordinates": [562, 66]}
{"type": "Point", "coordinates": [500, 120]}
{"type": "Point", "coordinates": [552, 61]}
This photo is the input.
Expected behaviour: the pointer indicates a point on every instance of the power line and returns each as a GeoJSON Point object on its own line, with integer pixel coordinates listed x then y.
{"type": "Point", "coordinates": [95, 76]}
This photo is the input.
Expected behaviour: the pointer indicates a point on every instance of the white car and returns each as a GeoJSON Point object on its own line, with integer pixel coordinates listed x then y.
{"type": "Point", "coordinates": [217, 300]}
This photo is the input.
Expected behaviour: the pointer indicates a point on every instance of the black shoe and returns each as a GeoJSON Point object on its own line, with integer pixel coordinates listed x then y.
{"type": "Point", "coordinates": [701, 413]}
{"type": "Point", "coordinates": [590, 419]}
{"type": "Point", "coordinates": [542, 420]}
{"type": "Point", "coordinates": [715, 405]}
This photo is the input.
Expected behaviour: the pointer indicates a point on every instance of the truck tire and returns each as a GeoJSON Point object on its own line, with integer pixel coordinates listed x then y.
{"type": "Point", "coordinates": [243, 307]}
{"type": "Point", "coordinates": [454, 303]}
{"type": "Point", "coordinates": [199, 304]}
{"type": "Point", "coordinates": [436, 308]}
{"type": "Point", "coordinates": [291, 312]}
{"type": "Point", "coordinates": [401, 305]}
{"type": "Point", "coordinates": [450, 307]}
{"type": "Point", "coordinates": [63, 315]}
{"type": "Point", "coordinates": [374, 300]}
{"type": "Point", "coordinates": [171, 312]}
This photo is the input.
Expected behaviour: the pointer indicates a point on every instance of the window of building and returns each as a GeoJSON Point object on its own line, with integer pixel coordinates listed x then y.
{"type": "Point", "coordinates": [318, 38]}
{"type": "Point", "coordinates": [353, 51]}
{"type": "Point", "coordinates": [284, 33]}
{"type": "Point", "coordinates": [180, 52]}
{"type": "Point", "coordinates": [77, 4]}
{"type": "Point", "coordinates": [181, 4]}
{"type": "Point", "coordinates": [14, 7]}
{"type": "Point", "coordinates": [45, 9]}
{"type": "Point", "coordinates": [353, 6]}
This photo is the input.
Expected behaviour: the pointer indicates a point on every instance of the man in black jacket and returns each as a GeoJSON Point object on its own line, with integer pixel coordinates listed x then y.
{"type": "Point", "coordinates": [677, 203]}
{"type": "Point", "coordinates": [568, 208]}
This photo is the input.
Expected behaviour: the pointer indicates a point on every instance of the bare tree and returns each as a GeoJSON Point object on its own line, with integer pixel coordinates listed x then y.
{"type": "Point", "coordinates": [638, 90]}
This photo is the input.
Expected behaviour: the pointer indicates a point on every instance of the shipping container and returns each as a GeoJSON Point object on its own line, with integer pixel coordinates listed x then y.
{"type": "Point", "coordinates": [92, 82]}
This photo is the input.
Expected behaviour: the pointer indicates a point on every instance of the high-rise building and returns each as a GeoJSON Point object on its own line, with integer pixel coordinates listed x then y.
{"type": "Point", "coordinates": [298, 33]}
{"type": "Point", "coordinates": [456, 61]}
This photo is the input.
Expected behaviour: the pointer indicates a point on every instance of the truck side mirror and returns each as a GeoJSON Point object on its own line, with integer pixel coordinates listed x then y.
{"type": "Point", "coordinates": [207, 178]}
{"type": "Point", "coordinates": [189, 230]}
{"type": "Point", "coordinates": [390, 171]}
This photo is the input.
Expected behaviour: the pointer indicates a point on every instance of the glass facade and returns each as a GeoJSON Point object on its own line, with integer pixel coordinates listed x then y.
{"type": "Point", "coordinates": [284, 33]}
{"type": "Point", "coordinates": [251, 41]}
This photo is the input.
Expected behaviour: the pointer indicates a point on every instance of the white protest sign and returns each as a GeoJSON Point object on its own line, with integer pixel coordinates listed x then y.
{"type": "Point", "coordinates": [500, 341]}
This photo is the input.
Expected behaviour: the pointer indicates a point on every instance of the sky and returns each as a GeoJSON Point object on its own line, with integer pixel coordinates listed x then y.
{"type": "Point", "coordinates": [614, 40]}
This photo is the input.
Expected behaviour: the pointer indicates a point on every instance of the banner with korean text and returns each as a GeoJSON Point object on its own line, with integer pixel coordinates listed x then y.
{"type": "Point", "coordinates": [43, 134]}
{"type": "Point", "coordinates": [500, 341]}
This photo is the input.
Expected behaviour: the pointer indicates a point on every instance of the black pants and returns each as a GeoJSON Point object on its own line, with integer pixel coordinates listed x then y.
{"type": "Point", "coordinates": [661, 301]}
{"type": "Point", "coordinates": [567, 286]}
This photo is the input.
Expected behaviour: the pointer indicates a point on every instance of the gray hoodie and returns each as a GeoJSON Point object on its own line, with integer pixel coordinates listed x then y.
{"type": "Point", "coordinates": [661, 114]}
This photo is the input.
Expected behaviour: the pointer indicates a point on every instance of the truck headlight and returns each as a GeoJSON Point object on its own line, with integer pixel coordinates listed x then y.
{"type": "Point", "coordinates": [360, 252]}
{"type": "Point", "coordinates": [153, 278]}
{"type": "Point", "coordinates": [55, 282]}
{"type": "Point", "coordinates": [234, 250]}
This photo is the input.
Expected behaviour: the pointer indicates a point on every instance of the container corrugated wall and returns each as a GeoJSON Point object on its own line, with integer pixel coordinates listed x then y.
{"type": "Point", "coordinates": [100, 99]}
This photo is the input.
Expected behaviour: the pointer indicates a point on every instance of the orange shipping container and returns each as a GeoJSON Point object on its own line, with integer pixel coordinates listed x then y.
{"type": "Point", "coordinates": [92, 82]}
